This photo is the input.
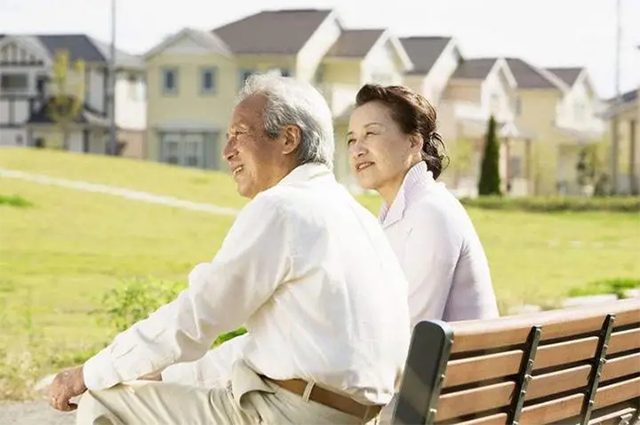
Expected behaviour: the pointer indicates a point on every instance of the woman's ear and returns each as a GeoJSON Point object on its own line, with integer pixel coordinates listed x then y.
{"type": "Point", "coordinates": [417, 142]}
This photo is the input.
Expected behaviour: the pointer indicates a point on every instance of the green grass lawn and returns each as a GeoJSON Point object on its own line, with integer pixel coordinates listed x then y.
{"type": "Point", "coordinates": [61, 249]}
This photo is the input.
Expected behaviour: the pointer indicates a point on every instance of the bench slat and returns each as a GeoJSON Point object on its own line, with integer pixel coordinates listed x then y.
{"type": "Point", "coordinates": [617, 393]}
{"type": "Point", "coordinates": [472, 369]}
{"type": "Point", "coordinates": [557, 382]}
{"type": "Point", "coordinates": [474, 400]}
{"type": "Point", "coordinates": [552, 411]}
{"type": "Point", "coordinates": [624, 341]}
{"type": "Point", "coordinates": [622, 366]}
{"type": "Point", "coordinates": [506, 331]}
{"type": "Point", "coordinates": [497, 419]}
{"type": "Point", "coordinates": [565, 352]}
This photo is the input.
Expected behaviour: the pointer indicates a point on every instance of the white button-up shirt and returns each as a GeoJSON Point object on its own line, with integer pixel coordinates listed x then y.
{"type": "Point", "coordinates": [310, 273]}
{"type": "Point", "coordinates": [440, 251]}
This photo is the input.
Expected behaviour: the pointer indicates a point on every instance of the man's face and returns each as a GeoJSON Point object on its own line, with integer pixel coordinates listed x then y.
{"type": "Point", "coordinates": [255, 159]}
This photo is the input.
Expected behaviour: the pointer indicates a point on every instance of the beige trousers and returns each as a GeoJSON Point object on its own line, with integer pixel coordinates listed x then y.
{"type": "Point", "coordinates": [247, 399]}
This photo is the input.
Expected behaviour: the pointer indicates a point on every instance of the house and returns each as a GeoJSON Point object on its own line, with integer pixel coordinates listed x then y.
{"type": "Point", "coordinates": [559, 107]}
{"type": "Point", "coordinates": [193, 76]}
{"type": "Point", "coordinates": [623, 114]}
{"type": "Point", "coordinates": [27, 91]}
{"type": "Point", "coordinates": [358, 57]}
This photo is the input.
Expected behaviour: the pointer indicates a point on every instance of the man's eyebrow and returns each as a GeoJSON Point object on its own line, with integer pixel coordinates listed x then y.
{"type": "Point", "coordinates": [373, 123]}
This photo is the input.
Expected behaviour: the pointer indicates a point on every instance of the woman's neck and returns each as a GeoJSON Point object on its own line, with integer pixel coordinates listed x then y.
{"type": "Point", "coordinates": [389, 191]}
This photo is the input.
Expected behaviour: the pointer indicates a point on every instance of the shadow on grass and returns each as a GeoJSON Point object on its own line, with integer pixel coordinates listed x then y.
{"type": "Point", "coordinates": [618, 286]}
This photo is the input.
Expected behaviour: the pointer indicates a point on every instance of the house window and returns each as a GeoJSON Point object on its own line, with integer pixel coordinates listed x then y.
{"type": "Point", "coordinates": [285, 72]}
{"type": "Point", "coordinates": [14, 82]}
{"type": "Point", "coordinates": [208, 77]}
{"type": "Point", "coordinates": [170, 80]}
{"type": "Point", "coordinates": [518, 106]}
{"type": "Point", "coordinates": [243, 74]}
{"type": "Point", "coordinates": [41, 85]}
{"type": "Point", "coordinates": [190, 149]}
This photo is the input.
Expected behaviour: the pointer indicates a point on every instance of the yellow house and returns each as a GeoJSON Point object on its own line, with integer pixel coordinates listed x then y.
{"type": "Point", "coordinates": [559, 108]}
{"type": "Point", "coordinates": [358, 57]}
{"type": "Point", "coordinates": [193, 76]}
{"type": "Point", "coordinates": [627, 111]}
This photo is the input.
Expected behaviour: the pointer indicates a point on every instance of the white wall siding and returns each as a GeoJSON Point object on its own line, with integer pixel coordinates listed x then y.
{"type": "Point", "coordinates": [317, 46]}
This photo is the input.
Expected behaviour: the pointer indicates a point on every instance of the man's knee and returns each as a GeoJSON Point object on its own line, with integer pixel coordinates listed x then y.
{"type": "Point", "coordinates": [91, 411]}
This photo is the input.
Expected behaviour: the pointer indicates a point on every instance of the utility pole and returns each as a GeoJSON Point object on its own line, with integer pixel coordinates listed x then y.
{"type": "Point", "coordinates": [112, 83]}
{"type": "Point", "coordinates": [615, 132]}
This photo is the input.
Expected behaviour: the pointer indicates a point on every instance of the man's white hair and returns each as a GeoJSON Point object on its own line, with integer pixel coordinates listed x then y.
{"type": "Point", "coordinates": [294, 102]}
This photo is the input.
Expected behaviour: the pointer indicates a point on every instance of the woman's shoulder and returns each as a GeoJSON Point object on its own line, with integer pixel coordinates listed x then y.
{"type": "Point", "coordinates": [437, 207]}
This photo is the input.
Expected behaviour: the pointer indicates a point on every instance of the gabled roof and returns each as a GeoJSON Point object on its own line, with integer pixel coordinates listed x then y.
{"type": "Point", "coordinates": [79, 46]}
{"type": "Point", "coordinates": [529, 76]}
{"type": "Point", "coordinates": [424, 51]}
{"type": "Point", "coordinates": [205, 39]}
{"type": "Point", "coordinates": [474, 69]}
{"type": "Point", "coordinates": [568, 75]}
{"type": "Point", "coordinates": [355, 43]}
{"type": "Point", "coordinates": [278, 32]}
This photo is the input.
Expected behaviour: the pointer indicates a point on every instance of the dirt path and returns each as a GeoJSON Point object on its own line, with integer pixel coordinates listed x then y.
{"type": "Point", "coordinates": [33, 413]}
{"type": "Point", "coordinates": [117, 191]}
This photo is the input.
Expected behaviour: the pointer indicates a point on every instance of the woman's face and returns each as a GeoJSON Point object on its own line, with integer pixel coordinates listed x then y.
{"type": "Point", "coordinates": [380, 154]}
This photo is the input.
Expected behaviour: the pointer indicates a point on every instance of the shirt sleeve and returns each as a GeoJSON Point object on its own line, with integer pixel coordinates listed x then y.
{"type": "Point", "coordinates": [210, 371]}
{"type": "Point", "coordinates": [431, 252]}
{"type": "Point", "coordinates": [221, 295]}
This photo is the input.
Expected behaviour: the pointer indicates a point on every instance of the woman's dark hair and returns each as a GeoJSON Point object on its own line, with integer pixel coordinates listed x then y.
{"type": "Point", "coordinates": [415, 115]}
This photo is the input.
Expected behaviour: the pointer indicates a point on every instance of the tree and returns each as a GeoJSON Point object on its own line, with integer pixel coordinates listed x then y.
{"type": "Point", "coordinates": [490, 174]}
{"type": "Point", "coordinates": [67, 93]}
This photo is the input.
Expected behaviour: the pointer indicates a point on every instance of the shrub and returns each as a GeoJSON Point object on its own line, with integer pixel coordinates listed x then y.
{"type": "Point", "coordinates": [617, 285]}
{"type": "Point", "coordinates": [14, 201]}
{"type": "Point", "coordinates": [630, 204]}
{"type": "Point", "coordinates": [134, 299]}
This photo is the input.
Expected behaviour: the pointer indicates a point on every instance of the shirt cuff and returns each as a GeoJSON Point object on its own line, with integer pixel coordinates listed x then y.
{"type": "Point", "coordinates": [99, 372]}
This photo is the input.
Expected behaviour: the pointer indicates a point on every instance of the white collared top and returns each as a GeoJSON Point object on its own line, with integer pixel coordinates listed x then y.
{"type": "Point", "coordinates": [311, 274]}
{"type": "Point", "coordinates": [440, 251]}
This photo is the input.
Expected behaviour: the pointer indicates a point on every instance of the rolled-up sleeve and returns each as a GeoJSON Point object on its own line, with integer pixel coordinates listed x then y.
{"type": "Point", "coordinates": [221, 295]}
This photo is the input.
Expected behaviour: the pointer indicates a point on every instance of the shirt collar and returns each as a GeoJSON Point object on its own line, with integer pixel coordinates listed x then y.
{"type": "Point", "coordinates": [305, 172]}
{"type": "Point", "coordinates": [417, 176]}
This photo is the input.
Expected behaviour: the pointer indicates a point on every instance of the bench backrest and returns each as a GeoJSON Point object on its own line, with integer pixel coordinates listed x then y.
{"type": "Point", "coordinates": [578, 365]}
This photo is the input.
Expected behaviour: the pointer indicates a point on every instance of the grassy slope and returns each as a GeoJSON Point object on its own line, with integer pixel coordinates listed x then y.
{"type": "Point", "coordinates": [58, 257]}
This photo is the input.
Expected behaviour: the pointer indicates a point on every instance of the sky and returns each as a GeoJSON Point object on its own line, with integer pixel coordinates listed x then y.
{"type": "Point", "coordinates": [548, 33]}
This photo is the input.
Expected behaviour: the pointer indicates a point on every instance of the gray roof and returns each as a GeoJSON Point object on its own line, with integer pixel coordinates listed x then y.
{"type": "Point", "coordinates": [568, 75]}
{"type": "Point", "coordinates": [424, 51]}
{"type": "Point", "coordinates": [474, 69]}
{"type": "Point", "coordinates": [355, 43]}
{"type": "Point", "coordinates": [80, 47]}
{"type": "Point", "coordinates": [279, 32]}
{"type": "Point", "coordinates": [529, 76]}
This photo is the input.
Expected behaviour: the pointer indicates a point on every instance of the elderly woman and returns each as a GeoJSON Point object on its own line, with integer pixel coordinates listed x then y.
{"type": "Point", "coordinates": [395, 150]}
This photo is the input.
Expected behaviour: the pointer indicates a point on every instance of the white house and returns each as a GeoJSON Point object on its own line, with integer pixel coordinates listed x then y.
{"type": "Point", "coordinates": [25, 93]}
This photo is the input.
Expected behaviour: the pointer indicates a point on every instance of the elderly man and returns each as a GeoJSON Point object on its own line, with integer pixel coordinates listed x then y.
{"type": "Point", "coordinates": [304, 266]}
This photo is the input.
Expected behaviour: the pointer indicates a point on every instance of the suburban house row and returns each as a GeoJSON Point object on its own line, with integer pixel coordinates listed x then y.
{"type": "Point", "coordinates": [174, 102]}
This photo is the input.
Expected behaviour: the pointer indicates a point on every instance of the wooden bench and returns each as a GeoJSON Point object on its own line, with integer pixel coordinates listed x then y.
{"type": "Point", "coordinates": [572, 366]}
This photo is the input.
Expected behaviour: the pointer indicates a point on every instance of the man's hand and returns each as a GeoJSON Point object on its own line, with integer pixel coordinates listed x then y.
{"type": "Point", "coordinates": [66, 385]}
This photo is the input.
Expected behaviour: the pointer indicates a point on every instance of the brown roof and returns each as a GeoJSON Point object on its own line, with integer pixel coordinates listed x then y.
{"type": "Point", "coordinates": [355, 43]}
{"type": "Point", "coordinates": [279, 32]}
{"type": "Point", "coordinates": [474, 69]}
{"type": "Point", "coordinates": [424, 51]}
{"type": "Point", "coordinates": [529, 76]}
{"type": "Point", "coordinates": [568, 75]}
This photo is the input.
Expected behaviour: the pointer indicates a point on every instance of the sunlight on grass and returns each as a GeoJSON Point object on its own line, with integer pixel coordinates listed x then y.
{"type": "Point", "coordinates": [60, 256]}
{"type": "Point", "coordinates": [153, 177]}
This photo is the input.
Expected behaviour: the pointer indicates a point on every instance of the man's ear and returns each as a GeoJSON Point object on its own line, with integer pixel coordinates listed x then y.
{"type": "Point", "coordinates": [292, 138]}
